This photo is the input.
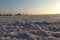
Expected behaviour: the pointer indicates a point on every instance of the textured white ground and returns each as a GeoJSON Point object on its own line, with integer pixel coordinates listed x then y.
{"type": "Point", "coordinates": [30, 27]}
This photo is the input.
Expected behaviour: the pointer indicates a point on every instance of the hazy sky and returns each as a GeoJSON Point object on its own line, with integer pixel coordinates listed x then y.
{"type": "Point", "coordinates": [30, 6]}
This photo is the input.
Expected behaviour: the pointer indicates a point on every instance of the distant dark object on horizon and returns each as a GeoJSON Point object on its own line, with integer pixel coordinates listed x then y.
{"type": "Point", "coordinates": [5, 14]}
{"type": "Point", "coordinates": [18, 14]}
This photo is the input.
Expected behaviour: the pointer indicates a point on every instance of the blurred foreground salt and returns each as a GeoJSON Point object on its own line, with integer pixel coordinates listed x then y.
{"type": "Point", "coordinates": [30, 27]}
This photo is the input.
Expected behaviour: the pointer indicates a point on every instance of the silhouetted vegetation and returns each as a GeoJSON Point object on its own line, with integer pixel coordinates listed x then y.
{"type": "Point", "coordinates": [5, 14]}
{"type": "Point", "coordinates": [10, 14]}
{"type": "Point", "coordinates": [18, 14]}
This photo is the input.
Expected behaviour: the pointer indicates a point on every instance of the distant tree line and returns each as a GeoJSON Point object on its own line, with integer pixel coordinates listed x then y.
{"type": "Point", "coordinates": [5, 14]}
{"type": "Point", "coordinates": [10, 14]}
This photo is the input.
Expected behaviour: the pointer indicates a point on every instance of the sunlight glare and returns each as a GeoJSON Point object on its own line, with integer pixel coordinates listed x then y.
{"type": "Point", "coordinates": [58, 9]}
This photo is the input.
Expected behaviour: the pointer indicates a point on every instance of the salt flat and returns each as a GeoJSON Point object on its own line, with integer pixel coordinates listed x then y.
{"type": "Point", "coordinates": [30, 27]}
